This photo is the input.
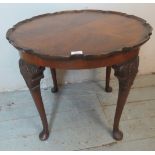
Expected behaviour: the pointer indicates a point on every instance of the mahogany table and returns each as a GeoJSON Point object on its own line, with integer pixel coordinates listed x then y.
{"type": "Point", "coordinates": [80, 39]}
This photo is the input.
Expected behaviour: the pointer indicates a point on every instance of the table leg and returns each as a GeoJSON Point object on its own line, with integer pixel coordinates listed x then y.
{"type": "Point", "coordinates": [55, 85]}
{"type": "Point", "coordinates": [108, 72]}
{"type": "Point", "coordinates": [32, 75]}
{"type": "Point", "coordinates": [126, 74]}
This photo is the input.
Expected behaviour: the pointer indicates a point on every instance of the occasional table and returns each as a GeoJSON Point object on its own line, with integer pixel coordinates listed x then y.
{"type": "Point", "coordinates": [80, 39]}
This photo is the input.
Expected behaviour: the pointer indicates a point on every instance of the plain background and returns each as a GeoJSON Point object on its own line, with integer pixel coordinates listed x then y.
{"type": "Point", "coordinates": [10, 14]}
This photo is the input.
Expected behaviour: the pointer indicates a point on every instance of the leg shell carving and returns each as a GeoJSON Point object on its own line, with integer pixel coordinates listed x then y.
{"type": "Point", "coordinates": [31, 73]}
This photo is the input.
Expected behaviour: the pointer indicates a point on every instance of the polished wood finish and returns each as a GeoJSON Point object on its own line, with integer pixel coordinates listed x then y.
{"type": "Point", "coordinates": [108, 88]}
{"type": "Point", "coordinates": [107, 39]}
{"type": "Point", "coordinates": [80, 63]}
{"type": "Point", "coordinates": [32, 75]}
{"type": "Point", "coordinates": [97, 33]}
{"type": "Point", "coordinates": [54, 78]}
{"type": "Point", "coordinates": [126, 74]}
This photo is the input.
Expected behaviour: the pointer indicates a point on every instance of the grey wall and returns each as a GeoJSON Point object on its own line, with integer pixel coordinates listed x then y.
{"type": "Point", "coordinates": [10, 78]}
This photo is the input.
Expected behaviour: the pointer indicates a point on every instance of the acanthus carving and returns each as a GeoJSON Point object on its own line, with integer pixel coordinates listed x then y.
{"type": "Point", "coordinates": [32, 74]}
{"type": "Point", "coordinates": [126, 73]}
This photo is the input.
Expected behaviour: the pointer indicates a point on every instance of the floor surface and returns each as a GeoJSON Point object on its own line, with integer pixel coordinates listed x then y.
{"type": "Point", "coordinates": [80, 117]}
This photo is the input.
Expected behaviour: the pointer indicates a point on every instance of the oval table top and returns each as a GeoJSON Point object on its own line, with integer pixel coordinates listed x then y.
{"type": "Point", "coordinates": [94, 32]}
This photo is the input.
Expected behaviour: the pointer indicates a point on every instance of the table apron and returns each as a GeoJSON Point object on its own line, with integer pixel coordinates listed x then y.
{"type": "Point", "coordinates": [80, 63]}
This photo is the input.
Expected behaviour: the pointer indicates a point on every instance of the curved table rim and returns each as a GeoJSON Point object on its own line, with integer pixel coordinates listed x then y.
{"type": "Point", "coordinates": [123, 49]}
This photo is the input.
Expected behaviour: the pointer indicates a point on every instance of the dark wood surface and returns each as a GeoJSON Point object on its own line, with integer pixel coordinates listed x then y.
{"type": "Point", "coordinates": [96, 33]}
{"type": "Point", "coordinates": [107, 38]}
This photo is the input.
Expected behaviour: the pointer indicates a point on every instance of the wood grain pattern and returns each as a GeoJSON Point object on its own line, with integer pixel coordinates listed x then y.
{"type": "Point", "coordinates": [106, 38]}
{"type": "Point", "coordinates": [95, 32]}
{"type": "Point", "coordinates": [126, 74]}
{"type": "Point", "coordinates": [32, 75]}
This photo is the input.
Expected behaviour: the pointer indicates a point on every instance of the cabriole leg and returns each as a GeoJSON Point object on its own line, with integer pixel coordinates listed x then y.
{"type": "Point", "coordinates": [108, 72]}
{"type": "Point", "coordinates": [32, 75]}
{"type": "Point", "coordinates": [55, 85]}
{"type": "Point", "coordinates": [126, 74]}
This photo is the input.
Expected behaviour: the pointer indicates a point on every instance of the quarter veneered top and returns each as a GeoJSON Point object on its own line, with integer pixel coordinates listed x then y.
{"type": "Point", "coordinates": [95, 32]}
